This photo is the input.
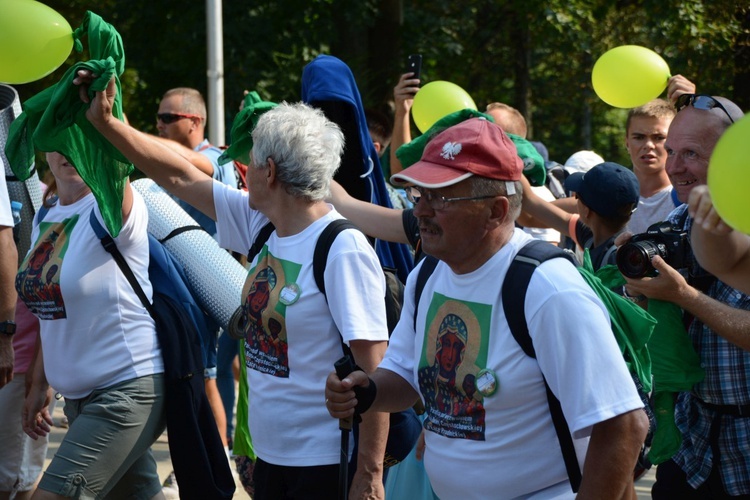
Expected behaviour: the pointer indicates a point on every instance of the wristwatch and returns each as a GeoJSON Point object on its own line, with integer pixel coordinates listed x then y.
{"type": "Point", "coordinates": [632, 298]}
{"type": "Point", "coordinates": [7, 328]}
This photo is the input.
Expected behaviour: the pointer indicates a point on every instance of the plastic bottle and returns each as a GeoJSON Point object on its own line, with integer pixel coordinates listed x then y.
{"type": "Point", "coordinates": [15, 208]}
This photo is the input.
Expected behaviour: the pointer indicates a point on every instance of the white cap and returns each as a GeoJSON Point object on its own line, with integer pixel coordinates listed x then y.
{"type": "Point", "coordinates": [582, 161]}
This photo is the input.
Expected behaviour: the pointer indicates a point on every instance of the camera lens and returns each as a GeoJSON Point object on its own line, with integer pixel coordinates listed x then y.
{"type": "Point", "coordinates": [634, 259]}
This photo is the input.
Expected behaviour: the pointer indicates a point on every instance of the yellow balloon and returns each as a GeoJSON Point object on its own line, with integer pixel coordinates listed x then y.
{"type": "Point", "coordinates": [629, 76]}
{"type": "Point", "coordinates": [436, 100]}
{"type": "Point", "coordinates": [729, 176]}
{"type": "Point", "coordinates": [34, 41]}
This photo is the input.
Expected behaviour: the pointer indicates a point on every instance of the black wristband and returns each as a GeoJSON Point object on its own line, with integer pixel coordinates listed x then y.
{"type": "Point", "coordinates": [365, 396]}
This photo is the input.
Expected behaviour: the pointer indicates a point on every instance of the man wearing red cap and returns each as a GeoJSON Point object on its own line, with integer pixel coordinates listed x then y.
{"type": "Point", "coordinates": [467, 195]}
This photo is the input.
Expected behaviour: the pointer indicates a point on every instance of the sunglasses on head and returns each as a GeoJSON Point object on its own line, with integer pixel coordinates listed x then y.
{"type": "Point", "coordinates": [700, 101]}
{"type": "Point", "coordinates": [168, 118]}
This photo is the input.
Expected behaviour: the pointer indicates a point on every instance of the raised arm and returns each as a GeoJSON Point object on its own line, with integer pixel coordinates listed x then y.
{"type": "Point", "coordinates": [544, 211]}
{"type": "Point", "coordinates": [677, 86]}
{"type": "Point", "coordinates": [403, 97]}
{"type": "Point", "coordinates": [720, 250]}
{"type": "Point", "coordinates": [201, 161]}
{"type": "Point", "coordinates": [169, 169]}
{"type": "Point", "coordinates": [376, 221]}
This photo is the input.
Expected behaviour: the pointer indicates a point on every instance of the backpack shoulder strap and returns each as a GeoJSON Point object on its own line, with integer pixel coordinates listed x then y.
{"type": "Point", "coordinates": [42, 212]}
{"type": "Point", "coordinates": [320, 259]}
{"type": "Point", "coordinates": [260, 240]}
{"type": "Point", "coordinates": [323, 247]}
{"type": "Point", "coordinates": [516, 284]}
{"type": "Point", "coordinates": [429, 263]}
{"type": "Point", "coordinates": [111, 247]}
{"type": "Point", "coordinates": [513, 293]}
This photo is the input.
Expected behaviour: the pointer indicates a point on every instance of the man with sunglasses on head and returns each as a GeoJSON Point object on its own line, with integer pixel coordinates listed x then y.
{"type": "Point", "coordinates": [714, 418]}
{"type": "Point", "coordinates": [489, 432]}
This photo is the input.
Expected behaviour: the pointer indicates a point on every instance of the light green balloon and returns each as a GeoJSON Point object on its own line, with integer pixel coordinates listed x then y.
{"type": "Point", "coordinates": [34, 41]}
{"type": "Point", "coordinates": [629, 76]}
{"type": "Point", "coordinates": [436, 100]}
{"type": "Point", "coordinates": [729, 176]}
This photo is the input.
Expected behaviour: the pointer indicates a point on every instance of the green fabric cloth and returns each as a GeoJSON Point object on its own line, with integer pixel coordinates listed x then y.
{"type": "Point", "coordinates": [632, 325]}
{"type": "Point", "coordinates": [534, 170]}
{"type": "Point", "coordinates": [533, 163]}
{"type": "Point", "coordinates": [675, 367]}
{"type": "Point", "coordinates": [55, 120]}
{"type": "Point", "coordinates": [678, 369]}
{"type": "Point", "coordinates": [243, 442]}
{"type": "Point", "coordinates": [242, 129]}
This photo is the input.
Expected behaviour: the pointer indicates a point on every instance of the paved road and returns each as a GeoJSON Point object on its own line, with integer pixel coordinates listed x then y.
{"type": "Point", "coordinates": [161, 454]}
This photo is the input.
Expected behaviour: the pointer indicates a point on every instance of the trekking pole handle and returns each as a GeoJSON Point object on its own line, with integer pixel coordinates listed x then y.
{"type": "Point", "coordinates": [344, 367]}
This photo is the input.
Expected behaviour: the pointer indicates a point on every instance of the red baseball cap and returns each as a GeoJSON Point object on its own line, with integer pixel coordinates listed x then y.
{"type": "Point", "coordinates": [473, 147]}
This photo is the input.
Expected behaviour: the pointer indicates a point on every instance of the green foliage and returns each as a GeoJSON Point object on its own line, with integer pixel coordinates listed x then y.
{"type": "Point", "coordinates": [532, 54]}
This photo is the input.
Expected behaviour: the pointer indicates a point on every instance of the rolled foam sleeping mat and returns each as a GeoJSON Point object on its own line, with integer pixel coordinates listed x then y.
{"type": "Point", "coordinates": [29, 192]}
{"type": "Point", "coordinates": [215, 278]}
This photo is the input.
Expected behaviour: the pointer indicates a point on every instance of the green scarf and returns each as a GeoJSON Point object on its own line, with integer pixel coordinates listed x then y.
{"type": "Point", "coordinates": [55, 120]}
{"type": "Point", "coordinates": [632, 325]}
{"type": "Point", "coordinates": [242, 129]}
{"type": "Point", "coordinates": [534, 170]}
{"type": "Point", "coordinates": [675, 367]}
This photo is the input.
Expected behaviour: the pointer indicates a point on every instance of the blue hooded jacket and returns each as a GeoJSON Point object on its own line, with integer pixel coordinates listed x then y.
{"type": "Point", "coordinates": [328, 84]}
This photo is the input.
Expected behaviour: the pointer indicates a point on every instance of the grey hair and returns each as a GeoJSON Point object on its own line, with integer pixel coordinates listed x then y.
{"type": "Point", "coordinates": [305, 146]}
{"type": "Point", "coordinates": [192, 101]}
{"type": "Point", "coordinates": [482, 186]}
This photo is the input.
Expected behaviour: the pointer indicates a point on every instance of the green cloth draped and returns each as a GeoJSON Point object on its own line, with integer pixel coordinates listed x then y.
{"type": "Point", "coordinates": [675, 367]}
{"type": "Point", "coordinates": [55, 120]}
{"type": "Point", "coordinates": [534, 170]}
{"type": "Point", "coordinates": [242, 128]}
{"type": "Point", "coordinates": [678, 370]}
{"type": "Point", "coordinates": [632, 325]}
{"type": "Point", "coordinates": [243, 442]}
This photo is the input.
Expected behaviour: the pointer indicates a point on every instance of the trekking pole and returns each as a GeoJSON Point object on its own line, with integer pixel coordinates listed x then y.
{"type": "Point", "coordinates": [344, 367]}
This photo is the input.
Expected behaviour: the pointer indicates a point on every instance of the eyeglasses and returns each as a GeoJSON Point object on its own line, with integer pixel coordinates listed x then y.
{"type": "Point", "coordinates": [437, 202]}
{"type": "Point", "coordinates": [168, 118]}
{"type": "Point", "coordinates": [700, 101]}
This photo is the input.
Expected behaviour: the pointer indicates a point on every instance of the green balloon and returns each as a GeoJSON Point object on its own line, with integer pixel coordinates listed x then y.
{"type": "Point", "coordinates": [729, 176]}
{"type": "Point", "coordinates": [34, 41]}
{"type": "Point", "coordinates": [629, 76]}
{"type": "Point", "coordinates": [436, 100]}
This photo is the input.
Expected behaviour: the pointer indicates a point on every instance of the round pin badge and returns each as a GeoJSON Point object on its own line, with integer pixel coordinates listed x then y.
{"type": "Point", "coordinates": [486, 382]}
{"type": "Point", "coordinates": [290, 294]}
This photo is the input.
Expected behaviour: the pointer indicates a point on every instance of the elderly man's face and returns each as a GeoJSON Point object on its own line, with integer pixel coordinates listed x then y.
{"type": "Point", "coordinates": [691, 140]}
{"type": "Point", "coordinates": [453, 234]}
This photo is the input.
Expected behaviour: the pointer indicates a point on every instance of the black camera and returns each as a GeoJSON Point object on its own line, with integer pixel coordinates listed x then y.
{"type": "Point", "coordinates": [663, 239]}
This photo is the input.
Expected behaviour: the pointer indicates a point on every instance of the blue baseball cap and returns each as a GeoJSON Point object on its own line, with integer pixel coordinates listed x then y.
{"type": "Point", "coordinates": [606, 189]}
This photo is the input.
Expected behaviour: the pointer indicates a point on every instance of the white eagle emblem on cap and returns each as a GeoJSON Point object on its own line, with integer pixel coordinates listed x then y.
{"type": "Point", "coordinates": [450, 150]}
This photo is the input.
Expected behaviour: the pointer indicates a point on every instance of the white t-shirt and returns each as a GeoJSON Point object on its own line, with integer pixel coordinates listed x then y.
{"type": "Point", "coordinates": [95, 331]}
{"type": "Point", "coordinates": [651, 210]}
{"type": "Point", "coordinates": [503, 444]}
{"type": "Point", "coordinates": [6, 217]}
{"type": "Point", "coordinates": [539, 233]}
{"type": "Point", "coordinates": [290, 348]}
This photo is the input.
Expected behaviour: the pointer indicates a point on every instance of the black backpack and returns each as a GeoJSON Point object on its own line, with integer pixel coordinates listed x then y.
{"type": "Point", "coordinates": [405, 426]}
{"type": "Point", "coordinates": [198, 456]}
{"type": "Point", "coordinates": [513, 293]}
